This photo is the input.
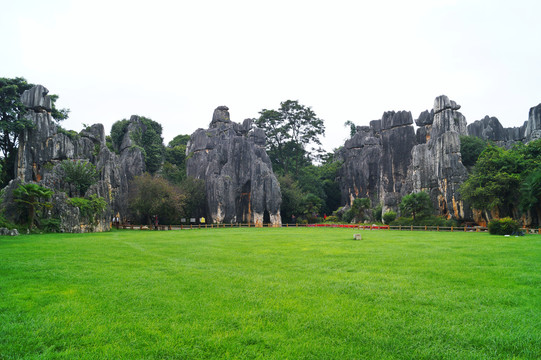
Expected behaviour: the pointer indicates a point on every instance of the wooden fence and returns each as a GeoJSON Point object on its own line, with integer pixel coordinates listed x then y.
{"type": "Point", "coordinates": [348, 226]}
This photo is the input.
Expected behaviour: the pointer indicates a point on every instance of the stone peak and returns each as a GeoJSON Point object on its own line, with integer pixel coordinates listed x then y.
{"type": "Point", "coordinates": [220, 116]}
{"type": "Point", "coordinates": [36, 98]}
{"type": "Point", "coordinates": [442, 102]}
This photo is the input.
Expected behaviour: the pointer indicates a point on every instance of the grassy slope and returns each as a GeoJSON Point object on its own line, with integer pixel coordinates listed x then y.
{"type": "Point", "coordinates": [270, 293]}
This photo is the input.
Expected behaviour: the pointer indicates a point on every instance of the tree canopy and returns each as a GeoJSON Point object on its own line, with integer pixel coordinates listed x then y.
{"type": "Point", "coordinates": [291, 130]}
{"type": "Point", "coordinates": [416, 205]}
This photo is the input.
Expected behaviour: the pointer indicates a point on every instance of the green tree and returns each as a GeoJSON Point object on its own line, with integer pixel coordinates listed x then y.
{"type": "Point", "coordinates": [470, 149]}
{"type": "Point", "coordinates": [31, 195]}
{"type": "Point", "coordinates": [495, 179]}
{"type": "Point", "coordinates": [416, 204]}
{"type": "Point", "coordinates": [174, 167]}
{"type": "Point", "coordinates": [80, 174]}
{"type": "Point", "coordinates": [359, 207]}
{"type": "Point", "coordinates": [148, 137]}
{"type": "Point", "coordinates": [530, 194]}
{"type": "Point", "coordinates": [153, 195]}
{"type": "Point", "coordinates": [290, 131]}
{"type": "Point", "coordinates": [292, 197]}
{"type": "Point", "coordinates": [195, 197]}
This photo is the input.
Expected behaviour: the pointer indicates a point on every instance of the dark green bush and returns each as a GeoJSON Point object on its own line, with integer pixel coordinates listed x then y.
{"type": "Point", "coordinates": [505, 226]}
{"type": "Point", "coordinates": [377, 213]}
{"type": "Point", "coordinates": [50, 225]}
{"type": "Point", "coordinates": [389, 217]}
{"type": "Point", "coordinates": [348, 216]}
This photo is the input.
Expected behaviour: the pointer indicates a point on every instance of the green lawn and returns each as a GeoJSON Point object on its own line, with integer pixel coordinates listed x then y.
{"type": "Point", "coordinates": [270, 294]}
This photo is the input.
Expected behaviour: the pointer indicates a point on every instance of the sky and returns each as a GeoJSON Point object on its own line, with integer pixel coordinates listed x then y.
{"type": "Point", "coordinates": [176, 61]}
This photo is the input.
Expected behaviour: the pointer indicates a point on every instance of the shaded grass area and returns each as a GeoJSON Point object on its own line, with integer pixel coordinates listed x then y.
{"type": "Point", "coordinates": [270, 294]}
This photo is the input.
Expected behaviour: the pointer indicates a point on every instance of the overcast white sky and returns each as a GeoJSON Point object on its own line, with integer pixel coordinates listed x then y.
{"type": "Point", "coordinates": [176, 61]}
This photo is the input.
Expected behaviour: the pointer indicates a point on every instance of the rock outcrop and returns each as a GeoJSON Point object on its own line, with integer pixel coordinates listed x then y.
{"type": "Point", "coordinates": [436, 166]}
{"type": "Point", "coordinates": [376, 160]}
{"type": "Point", "coordinates": [490, 128]}
{"type": "Point", "coordinates": [387, 160]}
{"type": "Point", "coordinates": [237, 171]}
{"type": "Point", "coordinates": [43, 147]}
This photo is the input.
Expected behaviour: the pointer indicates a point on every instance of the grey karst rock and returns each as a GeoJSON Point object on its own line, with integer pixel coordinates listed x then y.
{"type": "Point", "coordinates": [490, 128]}
{"type": "Point", "coordinates": [437, 164]}
{"type": "Point", "coordinates": [37, 99]}
{"type": "Point", "coordinates": [388, 160]}
{"type": "Point", "coordinates": [237, 171]}
{"type": "Point", "coordinates": [376, 160]}
{"type": "Point", "coordinates": [43, 147]}
{"type": "Point", "coordinates": [533, 126]}
{"type": "Point", "coordinates": [397, 142]}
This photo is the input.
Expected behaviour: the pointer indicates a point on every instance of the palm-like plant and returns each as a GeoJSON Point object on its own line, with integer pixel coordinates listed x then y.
{"type": "Point", "coordinates": [31, 195]}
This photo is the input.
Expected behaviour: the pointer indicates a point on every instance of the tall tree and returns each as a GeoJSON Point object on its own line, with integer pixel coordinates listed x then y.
{"type": "Point", "coordinates": [152, 195]}
{"type": "Point", "coordinates": [495, 180]}
{"type": "Point", "coordinates": [293, 135]}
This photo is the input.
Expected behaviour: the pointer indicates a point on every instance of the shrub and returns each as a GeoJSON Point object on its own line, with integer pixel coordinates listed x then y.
{"type": "Point", "coordinates": [79, 173]}
{"type": "Point", "coordinates": [377, 213]}
{"type": "Point", "coordinates": [389, 217]}
{"type": "Point", "coordinates": [89, 208]}
{"type": "Point", "coordinates": [332, 218]}
{"type": "Point", "coordinates": [505, 226]}
{"type": "Point", "coordinates": [50, 225]}
{"type": "Point", "coordinates": [348, 216]}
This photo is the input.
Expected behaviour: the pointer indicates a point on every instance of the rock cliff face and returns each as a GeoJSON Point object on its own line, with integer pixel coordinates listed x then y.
{"type": "Point", "coordinates": [376, 160]}
{"type": "Point", "coordinates": [43, 147]}
{"type": "Point", "coordinates": [437, 164]}
{"type": "Point", "coordinates": [232, 160]}
{"type": "Point", "coordinates": [388, 160]}
{"type": "Point", "coordinates": [490, 128]}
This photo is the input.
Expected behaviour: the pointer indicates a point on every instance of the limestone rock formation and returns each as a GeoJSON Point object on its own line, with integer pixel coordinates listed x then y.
{"type": "Point", "coordinates": [43, 147]}
{"type": "Point", "coordinates": [376, 160]}
{"type": "Point", "coordinates": [387, 160]}
{"type": "Point", "coordinates": [237, 171]}
{"type": "Point", "coordinates": [490, 128]}
{"type": "Point", "coordinates": [533, 126]}
{"type": "Point", "coordinates": [437, 164]}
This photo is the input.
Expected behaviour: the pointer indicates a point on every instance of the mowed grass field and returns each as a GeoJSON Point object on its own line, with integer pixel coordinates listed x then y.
{"type": "Point", "coordinates": [295, 293]}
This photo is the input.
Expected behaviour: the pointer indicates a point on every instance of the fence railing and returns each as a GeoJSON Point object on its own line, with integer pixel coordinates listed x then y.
{"type": "Point", "coordinates": [348, 226]}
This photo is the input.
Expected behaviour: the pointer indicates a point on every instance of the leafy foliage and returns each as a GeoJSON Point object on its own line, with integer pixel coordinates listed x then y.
{"type": "Point", "coordinates": [498, 174]}
{"type": "Point", "coordinates": [81, 174]}
{"type": "Point", "coordinates": [195, 197]}
{"type": "Point", "coordinates": [290, 130]}
{"type": "Point", "coordinates": [377, 213]}
{"type": "Point", "coordinates": [530, 192]}
{"type": "Point", "coordinates": [416, 205]}
{"type": "Point", "coordinates": [470, 149]}
{"type": "Point", "coordinates": [352, 128]}
{"type": "Point", "coordinates": [153, 195]}
{"type": "Point", "coordinates": [51, 225]}
{"type": "Point", "coordinates": [31, 195]}
{"type": "Point", "coordinates": [389, 217]}
{"type": "Point", "coordinates": [118, 130]}
{"type": "Point", "coordinates": [90, 208]}
{"type": "Point", "coordinates": [505, 226]}
{"type": "Point", "coordinates": [359, 206]}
